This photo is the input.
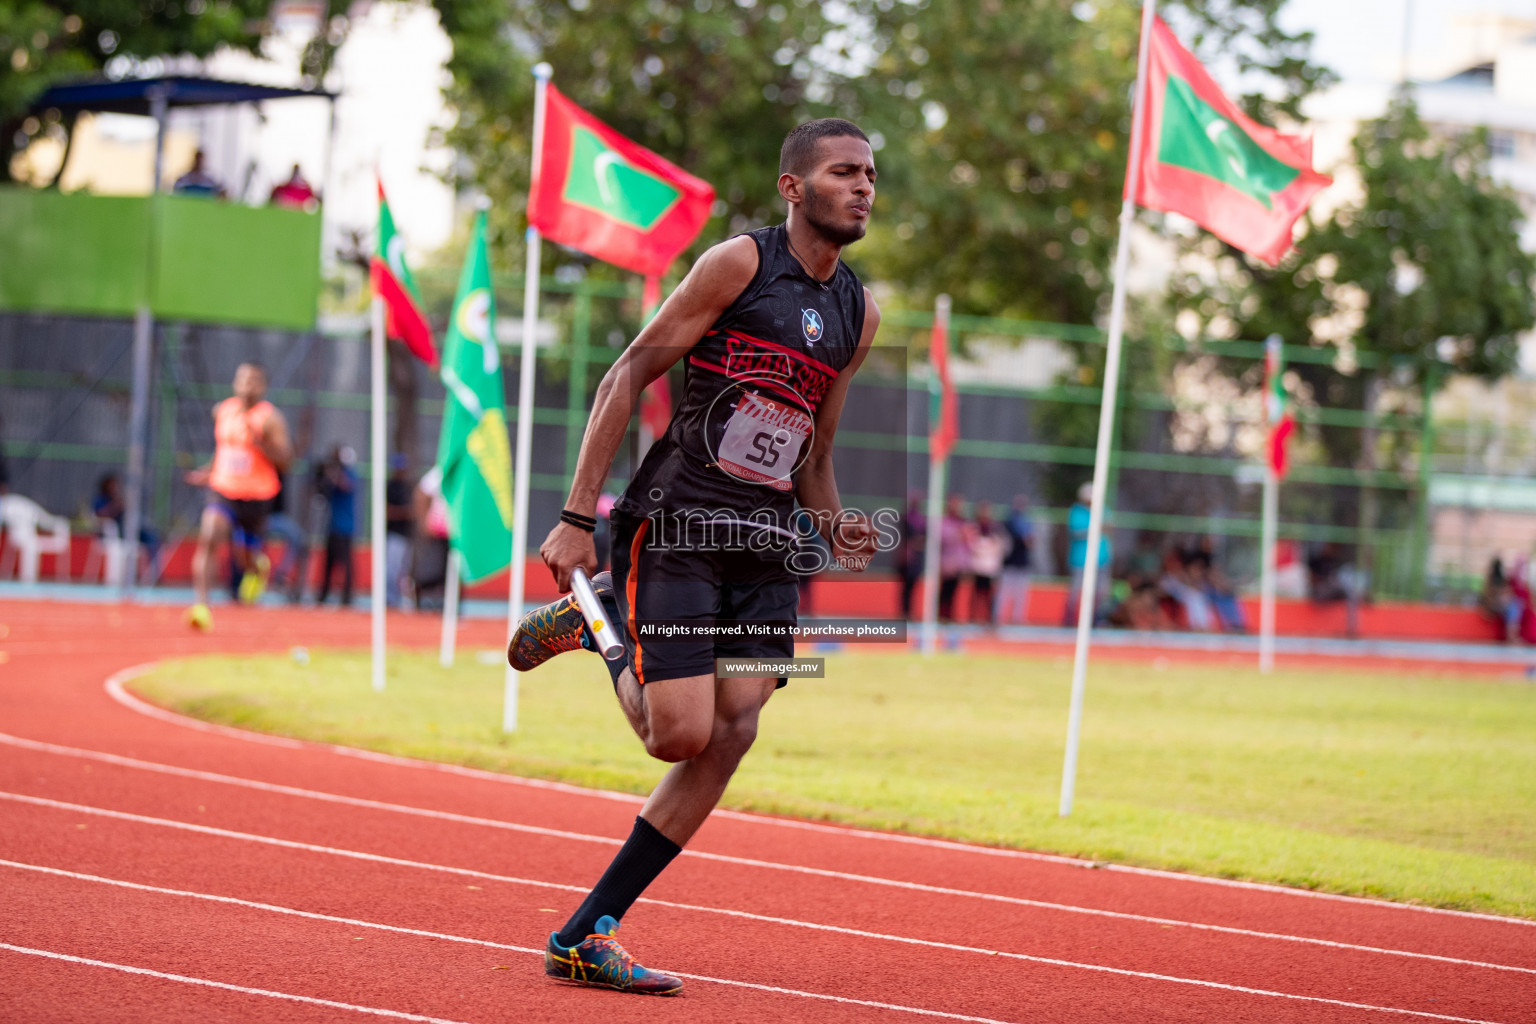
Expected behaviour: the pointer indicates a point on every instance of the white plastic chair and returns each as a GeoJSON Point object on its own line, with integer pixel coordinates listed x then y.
{"type": "Point", "coordinates": [109, 555]}
{"type": "Point", "coordinates": [30, 533]}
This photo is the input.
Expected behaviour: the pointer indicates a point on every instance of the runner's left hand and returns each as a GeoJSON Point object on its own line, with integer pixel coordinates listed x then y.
{"type": "Point", "coordinates": [853, 541]}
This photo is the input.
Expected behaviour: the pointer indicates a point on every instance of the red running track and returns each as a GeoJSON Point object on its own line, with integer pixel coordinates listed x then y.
{"type": "Point", "coordinates": [160, 870]}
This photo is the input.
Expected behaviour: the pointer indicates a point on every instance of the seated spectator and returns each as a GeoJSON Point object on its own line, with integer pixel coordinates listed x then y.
{"type": "Point", "coordinates": [295, 193]}
{"type": "Point", "coordinates": [1499, 602]}
{"type": "Point", "coordinates": [107, 506]}
{"type": "Point", "coordinates": [1184, 582]}
{"type": "Point", "coordinates": [1219, 590]}
{"type": "Point", "coordinates": [1331, 580]}
{"type": "Point", "coordinates": [198, 182]}
{"type": "Point", "coordinates": [1520, 589]}
{"type": "Point", "coordinates": [1324, 581]}
{"type": "Point", "coordinates": [1142, 608]}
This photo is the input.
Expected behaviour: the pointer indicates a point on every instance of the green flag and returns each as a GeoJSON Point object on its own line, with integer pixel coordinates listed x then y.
{"type": "Point", "coordinates": [472, 451]}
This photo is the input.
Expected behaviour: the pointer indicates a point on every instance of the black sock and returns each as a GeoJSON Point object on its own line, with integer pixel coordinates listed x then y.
{"type": "Point", "coordinates": [644, 855]}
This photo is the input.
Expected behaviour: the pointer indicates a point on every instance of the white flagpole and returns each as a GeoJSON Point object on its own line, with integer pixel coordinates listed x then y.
{"type": "Point", "coordinates": [450, 612]}
{"type": "Point", "coordinates": [1087, 599]}
{"type": "Point", "coordinates": [541, 74]}
{"type": "Point", "coordinates": [1267, 573]}
{"type": "Point", "coordinates": [936, 474]}
{"type": "Point", "coordinates": [376, 489]}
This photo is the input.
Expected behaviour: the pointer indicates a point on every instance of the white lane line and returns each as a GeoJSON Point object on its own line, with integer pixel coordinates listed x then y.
{"type": "Point", "coordinates": [243, 989]}
{"type": "Point", "coordinates": [270, 787]}
{"type": "Point", "coordinates": [753, 985]}
{"type": "Point", "coordinates": [116, 689]}
{"type": "Point", "coordinates": [356, 923]}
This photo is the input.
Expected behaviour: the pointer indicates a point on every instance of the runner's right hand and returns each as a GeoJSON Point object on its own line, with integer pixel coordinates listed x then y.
{"type": "Point", "coordinates": [564, 549]}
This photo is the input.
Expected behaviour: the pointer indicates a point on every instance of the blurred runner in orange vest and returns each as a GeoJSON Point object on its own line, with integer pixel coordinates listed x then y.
{"type": "Point", "coordinates": [251, 447]}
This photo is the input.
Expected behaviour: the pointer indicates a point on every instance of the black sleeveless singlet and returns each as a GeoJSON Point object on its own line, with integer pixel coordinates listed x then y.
{"type": "Point", "coordinates": [752, 386]}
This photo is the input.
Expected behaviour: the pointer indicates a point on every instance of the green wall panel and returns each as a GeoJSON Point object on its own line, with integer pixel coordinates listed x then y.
{"type": "Point", "coordinates": [72, 253]}
{"type": "Point", "coordinates": [216, 262]}
{"type": "Point", "coordinates": [235, 264]}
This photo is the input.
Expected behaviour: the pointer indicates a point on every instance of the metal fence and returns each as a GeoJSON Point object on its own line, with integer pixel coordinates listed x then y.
{"type": "Point", "coordinates": [1185, 467]}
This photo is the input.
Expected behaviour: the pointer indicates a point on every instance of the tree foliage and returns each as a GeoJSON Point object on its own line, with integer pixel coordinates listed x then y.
{"type": "Point", "coordinates": [1425, 268]}
{"type": "Point", "coordinates": [46, 41]}
{"type": "Point", "coordinates": [1008, 128]}
{"type": "Point", "coordinates": [1000, 127]}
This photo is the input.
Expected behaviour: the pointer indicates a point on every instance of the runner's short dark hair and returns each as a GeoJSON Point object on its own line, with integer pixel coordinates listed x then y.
{"type": "Point", "coordinates": [799, 149]}
{"type": "Point", "coordinates": [255, 365]}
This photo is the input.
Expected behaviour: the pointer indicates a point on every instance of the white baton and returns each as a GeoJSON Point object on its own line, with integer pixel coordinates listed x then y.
{"type": "Point", "coordinates": [608, 643]}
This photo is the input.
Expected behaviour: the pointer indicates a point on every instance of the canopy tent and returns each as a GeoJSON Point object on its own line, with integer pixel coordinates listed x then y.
{"type": "Point", "coordinates": [156, 97]}
{"type": "Point", "coordinates": [138, 95]}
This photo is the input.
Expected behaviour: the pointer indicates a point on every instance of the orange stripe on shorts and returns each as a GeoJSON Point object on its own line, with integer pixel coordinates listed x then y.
{"type": "Point", "coordinates": [630, 587]}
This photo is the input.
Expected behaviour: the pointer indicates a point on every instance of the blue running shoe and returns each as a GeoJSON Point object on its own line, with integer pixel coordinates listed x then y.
{"type": "Point", "coordinates": [557, 627]}
{"type": "Point", "coordinates": [600, 961]}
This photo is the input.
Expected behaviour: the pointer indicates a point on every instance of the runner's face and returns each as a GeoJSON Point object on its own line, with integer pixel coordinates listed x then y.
{"type": "Point", "coordinates": [841, 190]}
{"type": "Point", "coordinates": [250, 383]}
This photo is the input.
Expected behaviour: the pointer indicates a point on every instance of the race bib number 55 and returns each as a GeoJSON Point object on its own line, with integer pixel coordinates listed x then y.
{"type": "Point", "coordinates": [763, 440]}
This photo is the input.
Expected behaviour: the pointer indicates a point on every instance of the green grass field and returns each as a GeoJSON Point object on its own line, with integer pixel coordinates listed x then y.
{"type": "Point", "coordinates": [1416, 788]}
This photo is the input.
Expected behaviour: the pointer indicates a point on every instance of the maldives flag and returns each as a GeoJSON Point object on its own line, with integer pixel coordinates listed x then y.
{"type": "Point", "coordinates": [1277, 406]}
{"type": "Point", "coordinates": [945, 414]}
{"type": "Point", "coordinates": [393, 283]}
{"type": "Point", "coordinates": [1202, 157]}
{"type": "Point", "coordinates": [597, 191]}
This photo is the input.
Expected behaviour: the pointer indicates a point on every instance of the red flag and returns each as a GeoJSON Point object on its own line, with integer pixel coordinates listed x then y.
{"type": "Point", "coordinates": [946, 425]}
{"type": "Point", "coordinates": [1202, 157]}
{"type": "Point", "coordinates": [392, 282]}
{"type": "Point", "coordinates": [655, 408]}
{"type": "Point", "coordinates": [597, 191]}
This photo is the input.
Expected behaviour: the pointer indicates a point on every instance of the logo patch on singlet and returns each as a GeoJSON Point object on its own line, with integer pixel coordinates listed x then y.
{"type": "Point", "coordinates": [810, 325]}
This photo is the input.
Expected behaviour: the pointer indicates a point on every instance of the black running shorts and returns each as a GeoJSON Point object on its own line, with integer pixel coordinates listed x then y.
{"type": "Point", "coordinates": [698, 584]}
{"type": "Point", "coordinates": [248, 514]}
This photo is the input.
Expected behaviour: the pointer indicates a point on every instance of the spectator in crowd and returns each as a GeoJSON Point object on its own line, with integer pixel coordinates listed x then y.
{"type": "Point", "coordinates": [1520, 593]}
{"type": "Point", "coordinates": [295, 193]}
{"type": "Point", "coordinates": [107, 507]}
{"type": "Point", "coordinates": [1218, 588]}
{"type": "Point", "coordinates": [337, 481]}
{"type": "Point", "coordinates": [399, 527]}
{"type": "Point", "coordinates": [988, 543]}
{"type": "Point", "coordinates": [429, 560]}
{"type": "Point", "coordinates": [1013, 587]}
{"type": "Point", "coordinates": [1331, 580]}
{"type": "Point", "coordinates": [198, 182]}
{"type": "Point", "coordinates": [1078, 518]}
{"type": "Point", "coordinates": [911, 551]}
{"type": "Point", "coordinates": [1184, 581]}
{"type": "Point", "coordinates": [1499, 602]}
{"type": "Point", "coordinates": [954, 553]}
{"type": "Point", "coordinates": [1324, 584]}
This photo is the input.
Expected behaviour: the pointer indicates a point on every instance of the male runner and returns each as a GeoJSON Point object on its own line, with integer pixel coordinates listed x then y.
{"type": "Point", "coordinates": [251, 448]}
{"type": "Point", "coordinates": [773, 325]}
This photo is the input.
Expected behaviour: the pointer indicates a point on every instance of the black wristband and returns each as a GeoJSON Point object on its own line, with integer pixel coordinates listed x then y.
{"type": "Point", "coordinates": [578, 520]}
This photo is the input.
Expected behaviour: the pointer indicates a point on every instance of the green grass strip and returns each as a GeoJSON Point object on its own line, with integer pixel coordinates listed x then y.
{"type": "Point", "coordinates": [1420, 789]}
